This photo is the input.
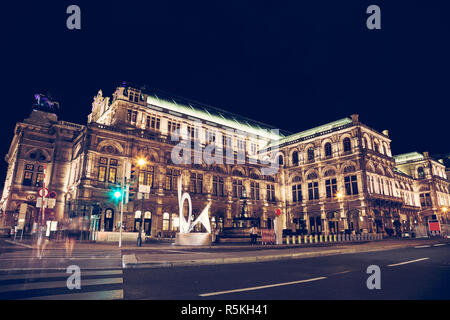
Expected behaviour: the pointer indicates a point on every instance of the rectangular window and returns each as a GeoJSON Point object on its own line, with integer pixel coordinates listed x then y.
{"type": "Point", "coordinates": [313, 190]}
{"type": "Point", "coordinates": [196, 183]}
{"type": "Point", "coordinates": [112, 175]}
{"type": "Point", "coordinates": [129, 115]}
{"type": "Point", "coordinates": [103, 161]}
{"type": "Point", "coordinates": [351, 185]}
{"type": "Point", "coordinates": [133, 116]}
{"type": "Point", "coordinates": [215, 186]}
{"type": "Point", "coordinates": [113, 162]}
{"type": "Point", "coordinates": [226, 142]}
{"type": "Point", "coordinates": [253, 148]}
{"type": "Point", "coordinates": [171, 179]}
{"type": "Point", "coordinates": [27, 178]}
{"type": "Point", "coordinates": [331, 187]}
{"type": "Point", "coordinates": [270, 194]}
{"type": "Point", "coordinates": [39, 179]}
{"type": "Point", "coordinates": [102, 174]}
{"type": "Point", "coordinates": [237, 188]}
{"type": "Point", "coordinates": [297, 193]}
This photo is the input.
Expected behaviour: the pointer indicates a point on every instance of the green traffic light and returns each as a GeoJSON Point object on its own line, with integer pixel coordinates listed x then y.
{"type": "Point", "coordinates": [117, 194]}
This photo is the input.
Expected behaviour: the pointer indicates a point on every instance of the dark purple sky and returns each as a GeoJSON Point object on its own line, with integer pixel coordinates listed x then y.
{"type": "Point", "coordinates": [293, 65]}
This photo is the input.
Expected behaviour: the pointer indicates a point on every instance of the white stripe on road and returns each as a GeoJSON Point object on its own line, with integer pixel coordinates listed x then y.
{"type": "Point", "coordinates": [56, 275]}
{"type": "Point", "coordinates": [260, 287]}
{"type": "Point", "coordinates": [96, 295]}
{"type": "Point", "coordinates": [421, 247]}
{"type": "Point", "coordinates": [57, 284]}
{"type": "Point", "coordinates": [406, 262]}
{"type": "Point", "coordinates": [439, 244]}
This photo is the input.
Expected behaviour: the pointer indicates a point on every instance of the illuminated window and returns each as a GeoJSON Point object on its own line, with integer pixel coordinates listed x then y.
{"type": "Point", "coordinates": [101, 174]}
{"type": "Point", "coordinates": [166, 221]}
{"type": "Point", "coordinates": [27, 178]}
{"type": "Point", "coordinates": [171, 179]}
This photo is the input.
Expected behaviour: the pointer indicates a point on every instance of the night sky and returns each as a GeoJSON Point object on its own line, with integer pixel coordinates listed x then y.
{"type": "Point", "coordinates": [293, 65]}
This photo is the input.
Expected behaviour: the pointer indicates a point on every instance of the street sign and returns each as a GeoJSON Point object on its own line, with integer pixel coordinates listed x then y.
{"type": "Point", "coordinates": [39, 202]}
{"type": "Point", "coordinates": [52, 195]}
{"type": "Point", "coordinates": [144, 189]}
{"type": "Point", "coordinates": [51, 203]}
{"type": "Point", "coordinates": [434, 225]}
{"type": "Point", "coordinates": [43, 192]}
{"type": "Point", "coordinates": [278, 212]}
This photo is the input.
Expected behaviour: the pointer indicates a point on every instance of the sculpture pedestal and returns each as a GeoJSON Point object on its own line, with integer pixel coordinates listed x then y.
{"type": "Point", "coordinates": [193, 239]}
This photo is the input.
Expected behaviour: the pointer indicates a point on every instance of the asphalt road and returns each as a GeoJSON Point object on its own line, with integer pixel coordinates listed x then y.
{"type": "Point", "coordinates": [413, 273]}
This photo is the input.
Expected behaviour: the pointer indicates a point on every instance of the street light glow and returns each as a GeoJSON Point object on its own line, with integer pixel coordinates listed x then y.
{"type": "Point", "coordinates": [141, 162]}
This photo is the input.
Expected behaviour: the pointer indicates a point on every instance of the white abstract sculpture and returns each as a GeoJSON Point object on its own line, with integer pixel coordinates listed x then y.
{"type": "Point", "coordinates": [203, 218]}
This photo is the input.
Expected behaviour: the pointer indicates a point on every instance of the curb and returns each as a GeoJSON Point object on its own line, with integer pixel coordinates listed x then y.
{"type": "Point", "coordinates": [134, 264]}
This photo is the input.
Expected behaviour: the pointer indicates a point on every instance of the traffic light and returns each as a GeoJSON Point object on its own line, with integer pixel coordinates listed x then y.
{"type": "Point", "coordinates": [130, 194]}
{"type": "Point", "coordinates": [116, 193]}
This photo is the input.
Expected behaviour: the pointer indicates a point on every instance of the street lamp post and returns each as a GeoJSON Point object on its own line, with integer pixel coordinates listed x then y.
{"type": "Point", "coordinates": [141, 162]}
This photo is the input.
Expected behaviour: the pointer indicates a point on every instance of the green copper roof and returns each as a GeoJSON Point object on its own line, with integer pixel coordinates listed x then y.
{"type": "Point", "coordinates": [407, 157]}
{"type": "Point", "coordinates": [213, 115]}
{"type": "Point", "coordinates": [314, 131]}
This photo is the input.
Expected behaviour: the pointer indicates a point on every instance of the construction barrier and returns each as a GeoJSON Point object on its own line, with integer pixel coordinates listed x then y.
{"type": "Point", "coordinates": [267, 236]}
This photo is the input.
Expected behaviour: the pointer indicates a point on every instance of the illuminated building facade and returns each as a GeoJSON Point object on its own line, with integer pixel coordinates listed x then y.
{"type": "Point", "coordinates": [336, 177]}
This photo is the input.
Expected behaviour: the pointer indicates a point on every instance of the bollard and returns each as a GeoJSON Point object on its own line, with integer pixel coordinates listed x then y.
{"type": "Point", "coordinates": [310, 238]}
{"type": "Point", "coordinates": [287, 239]}
{"type": "Point", "coordinates": [293, 239]}
{"type": "Point", "coordinates": [316, 238]}
{"type": "Point", "coordinates": [321, 238]}
{"type": "Point", "coordinates": [340, 237]}
{"type": "Point", "coordinates": [325, 239]}
{"type": "Point", "coordinates": [299, 239]}
{"type": "Point", "coordinates": [334, 237]}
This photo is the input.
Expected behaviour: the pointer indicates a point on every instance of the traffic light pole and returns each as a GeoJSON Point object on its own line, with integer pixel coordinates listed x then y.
{"type": "Point", "coordinates": [139, 239]}
{"type": "Point", "coordinates": [121, 204]}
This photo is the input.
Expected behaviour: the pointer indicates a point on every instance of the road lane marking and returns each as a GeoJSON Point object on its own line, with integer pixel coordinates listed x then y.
{"type": "Point", "coordinates": [439, 244]}
{"type": "Point", "coordinates": [406, 262]}
{"type": "Point", "coordinates": [57, 284]}
{"type": "Point", "coordinates": [57, 275]}
{"type": "Point", "coordinates": [96, 295]}
{"type": "Point", "coordinates": [260, 287]}
{"type": "Point", "coordinates": [427, 246]}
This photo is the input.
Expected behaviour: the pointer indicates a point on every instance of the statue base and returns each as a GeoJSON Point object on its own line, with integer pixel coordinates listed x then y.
{"type": "Point", "coordinates": [193, 239]}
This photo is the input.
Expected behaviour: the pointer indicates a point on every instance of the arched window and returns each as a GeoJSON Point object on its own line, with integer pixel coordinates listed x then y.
{"type": "Point", "coordinates": [420, 172]}
{"type": "Point", "coordinates": [310, 154]}
{"type": "Point", "coordinates": [375, 147]}
{"type": "Point", "coordinates": [328, 152]}
{"type": "Point", "coordinates": [166, 221]}
{"type": "Point", "coordinates": [312, 176]}
{"type": "Point", "coordinates": [330, 173]}
{"type": "Point", "coordinates": [296, 179]}
{"type": "Point", "coordinates": [280, 160]}
{"type": "Point", "coordinates": [295, 157]}
{"type": "Point", "coordinates": [347, 145]}
{"type": "Point", "coordinates": [366, 145]}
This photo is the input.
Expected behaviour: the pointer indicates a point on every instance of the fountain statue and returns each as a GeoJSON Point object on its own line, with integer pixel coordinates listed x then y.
{"type": "Point", "coordinates": [185, 237]}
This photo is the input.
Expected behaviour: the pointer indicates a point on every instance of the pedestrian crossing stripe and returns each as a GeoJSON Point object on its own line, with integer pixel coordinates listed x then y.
{"type": "Point", "coordinates": [96, 295]}
{"type": "Point", "coordinates": [57, 284]}
{"type": "Point", "coordinates": [56, 275]}
{"type": "Point", "coordinates": [21, 288]}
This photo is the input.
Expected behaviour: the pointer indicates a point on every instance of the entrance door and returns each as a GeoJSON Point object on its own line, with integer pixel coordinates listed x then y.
{"type": "Point", "coordinates": [109, 220]}
{"type": "Point", "coordinates": [147, 226]}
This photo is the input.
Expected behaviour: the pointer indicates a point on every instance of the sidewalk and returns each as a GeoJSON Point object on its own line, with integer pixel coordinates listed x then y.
{"type": "Point", "coordinates": [181, 257]}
